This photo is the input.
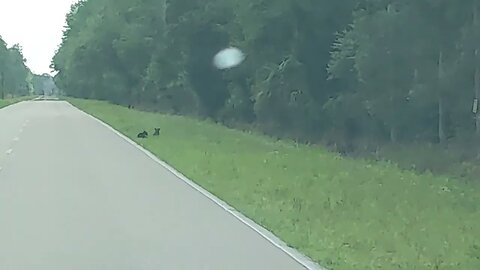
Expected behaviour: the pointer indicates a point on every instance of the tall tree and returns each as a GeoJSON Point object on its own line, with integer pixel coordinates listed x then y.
{"type": "Point", "coordinates": [14, 74]}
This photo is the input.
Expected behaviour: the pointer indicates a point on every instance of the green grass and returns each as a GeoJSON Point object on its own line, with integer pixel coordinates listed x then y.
{"type": "Point", "coordinates": [10, 101]}
{"type": "Point", "coordinates": [343, 213]}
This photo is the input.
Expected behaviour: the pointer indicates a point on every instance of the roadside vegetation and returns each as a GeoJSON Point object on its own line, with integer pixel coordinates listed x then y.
{"type": "Point", "coordinates": [17, 82]}
{"type": "Point", "coordinates": [10, 101]}
{"type": "Point", "coordinates": [365, 78]}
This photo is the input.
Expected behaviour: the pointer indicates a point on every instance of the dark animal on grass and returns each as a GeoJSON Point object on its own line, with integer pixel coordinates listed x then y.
{"type": "Point", "coordinates": [157, 132]}
{"type": "Point", "coordinates": [142, 135]}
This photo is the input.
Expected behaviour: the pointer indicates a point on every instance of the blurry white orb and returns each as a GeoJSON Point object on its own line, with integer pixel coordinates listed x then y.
{"type": "Point", "coordinates": [228, 58]}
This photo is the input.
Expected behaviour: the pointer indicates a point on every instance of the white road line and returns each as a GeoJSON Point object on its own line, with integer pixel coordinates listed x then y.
{"type": "Point", "coordinates": [267, 235]}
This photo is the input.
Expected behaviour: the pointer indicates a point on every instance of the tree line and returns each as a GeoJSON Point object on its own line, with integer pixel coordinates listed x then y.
{"type": "Point", "coordinates": [16, 79]}
{"type": "Point", "coordinates": [341, 71]}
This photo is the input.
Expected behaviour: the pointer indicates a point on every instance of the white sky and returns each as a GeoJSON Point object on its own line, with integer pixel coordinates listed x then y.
{"type": "Point", "coordinates": [37, 26]}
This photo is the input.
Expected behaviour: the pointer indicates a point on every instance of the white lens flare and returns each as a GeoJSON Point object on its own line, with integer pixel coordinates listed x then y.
{"type": "Point", "coordinates": [228, 58]}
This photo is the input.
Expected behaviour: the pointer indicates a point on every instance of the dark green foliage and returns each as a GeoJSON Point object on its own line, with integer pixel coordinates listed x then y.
{"type": "Point", "coordinates": [14, 74]}
{"type": "Point", "coordinates": [342, 71]}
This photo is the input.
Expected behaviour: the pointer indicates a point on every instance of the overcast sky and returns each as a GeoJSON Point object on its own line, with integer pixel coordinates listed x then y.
{"type": "Point", "coordinates": [37, 26]}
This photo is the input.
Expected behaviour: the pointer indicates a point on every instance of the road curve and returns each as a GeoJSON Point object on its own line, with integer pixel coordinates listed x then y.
{"type": "Point", "coordinates": [75, 196]}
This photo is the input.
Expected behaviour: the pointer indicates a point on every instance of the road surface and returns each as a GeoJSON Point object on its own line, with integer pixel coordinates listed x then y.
{"type": "Point", "coordinates": [76, 196]}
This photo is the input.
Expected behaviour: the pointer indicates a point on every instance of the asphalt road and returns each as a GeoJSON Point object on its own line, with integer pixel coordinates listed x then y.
{"type": "Point", "coordinates": [75, 196]}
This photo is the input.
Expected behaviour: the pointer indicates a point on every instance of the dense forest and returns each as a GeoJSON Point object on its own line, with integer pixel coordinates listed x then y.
{"type": "Point", "coordinates": [345, 71]}
{"type": "Point", "coordinates": [14, 74]}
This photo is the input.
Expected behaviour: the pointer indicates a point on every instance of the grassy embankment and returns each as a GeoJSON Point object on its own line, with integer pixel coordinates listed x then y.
{"type": "Point", "coordinates": [343, 213]}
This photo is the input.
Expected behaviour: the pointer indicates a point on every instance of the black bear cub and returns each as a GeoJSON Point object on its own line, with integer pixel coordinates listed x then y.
{"type": "Point", "coordinates": [143, 134]}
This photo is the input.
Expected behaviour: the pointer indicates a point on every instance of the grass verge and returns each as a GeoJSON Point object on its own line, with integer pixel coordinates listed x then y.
{"type": "Point", "coordinates": [343, 213]}
{"type": "Point", "coordinates": [10, 101]}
